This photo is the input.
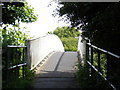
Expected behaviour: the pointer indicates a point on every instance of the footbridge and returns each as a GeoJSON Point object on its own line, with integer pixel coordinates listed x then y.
{"type": "Point", "coordinates": [56, 68]}
{"type": "Point", "coordinates": [41, 47]}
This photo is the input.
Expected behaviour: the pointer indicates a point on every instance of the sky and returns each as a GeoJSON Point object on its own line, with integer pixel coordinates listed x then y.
{"type": "Point", "coordinates": [46, 22]}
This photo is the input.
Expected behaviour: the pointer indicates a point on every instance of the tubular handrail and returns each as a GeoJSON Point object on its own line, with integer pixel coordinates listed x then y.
{"type": "Point", "coordinates": [12, 46]}
{"type": "Point", "coordinates": [105, 51]}
{"type": "Point", "coordinates": [89, 61]}
{"type": "Point", "coordinates": [102, 75]}
{"type": "Point", "coordinates": [15, 63]}
{"type": "Point", "coordinates": [15, 66]}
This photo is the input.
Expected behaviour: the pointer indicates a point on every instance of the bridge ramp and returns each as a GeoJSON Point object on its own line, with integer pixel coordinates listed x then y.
{"type": "Point", "coordinates": [57, 71]}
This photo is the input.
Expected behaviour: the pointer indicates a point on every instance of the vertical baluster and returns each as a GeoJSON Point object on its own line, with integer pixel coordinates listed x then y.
{"type": "Point", "coordinates": [87, 51]}
{"type": "Point", "coordinates": [17, 62]}
{"type": "Point", "coordinates": [87, 58]}
{"type": "Point", "coordinates": [26, 58]}
{"type": "Point", "coordinates": [23, 67]}
{"type": "Point", "coordinates": [99, 68]}
{"type": "Point", "coordinates": [92, 61]}
{"type": "Point", "coordinates": [108, 66]}
{"type": "Point", "coordinates": [6, 65]}
{"type": "Point", "coordinates": [11, 60]}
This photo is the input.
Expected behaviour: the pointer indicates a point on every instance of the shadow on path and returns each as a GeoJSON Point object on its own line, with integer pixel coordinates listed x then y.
{"type": "Point", "coordinates": [57, 72]}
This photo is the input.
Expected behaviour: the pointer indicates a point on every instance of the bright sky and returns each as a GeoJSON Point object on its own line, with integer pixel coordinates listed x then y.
{"type": "Point", "coordinates": [46, 22]}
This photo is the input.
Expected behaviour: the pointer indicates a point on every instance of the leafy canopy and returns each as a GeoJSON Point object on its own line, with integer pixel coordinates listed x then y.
{"type": "Point", "coordinates": [16, 11]}
{"type": "Point", "coordinates": [65, 32]}
{"type": "Point", "coordinates": [99, 21]}
{"type": "Point", "coordinates": [13, 14]}
{"type": "Point", "coordinates": [67, 36]}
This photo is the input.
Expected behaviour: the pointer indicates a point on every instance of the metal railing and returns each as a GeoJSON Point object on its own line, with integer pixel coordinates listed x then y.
{"type": "Point", "coordinates": [105, 63]}
{"type": "Point", "coordinates": [14, 63]}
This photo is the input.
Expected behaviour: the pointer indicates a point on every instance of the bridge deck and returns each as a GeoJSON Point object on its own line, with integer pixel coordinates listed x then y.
{"type": "Point", "coordinates": [57, 71]}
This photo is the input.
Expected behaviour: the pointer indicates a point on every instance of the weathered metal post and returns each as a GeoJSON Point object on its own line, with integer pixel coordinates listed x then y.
{"type": "Point", "coordinates": [82, 49]}
{"type": "Point", "coordinates": [28, 55]}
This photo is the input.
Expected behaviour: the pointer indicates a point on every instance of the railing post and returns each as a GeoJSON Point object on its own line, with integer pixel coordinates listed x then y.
{"type": "Point", "coordinates": [87, 57]}
{"type": "Point", "coordinates": [84, 50]}
{"type": "Point", "coordinates": [108, 66]}
{"type": "Point", "coordinates": [92, 71]}
{"type": "Point", "coordinates": [16, 62]}
{"type": "Point", "coordinates": [99, 68]}
{"type": "Point", "coordinates": [6, 65]}
{"type": "Point", "coordinates": [87, 51]}
{"type": "Point", "coordinates": [28, 55]}
{"type": "Point", "coordinates": [23, 60]}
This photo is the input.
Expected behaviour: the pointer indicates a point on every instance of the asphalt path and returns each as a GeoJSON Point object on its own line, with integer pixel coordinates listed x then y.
{"type": "Point", "coordinates": [57, 72]}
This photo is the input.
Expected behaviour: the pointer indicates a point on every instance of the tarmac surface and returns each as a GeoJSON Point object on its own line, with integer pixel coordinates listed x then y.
{"type": "Point", "coordinates": [58, 71]}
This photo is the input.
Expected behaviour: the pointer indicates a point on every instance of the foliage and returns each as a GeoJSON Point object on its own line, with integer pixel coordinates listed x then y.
{"type": "Point", "coordinates": [13, 37]}
{"type": "Point", "coordinates": [21, 82]}
{"type": "Point", "coordinates": [70, 44]}
{"type": "Point", "coordinates": [13, 14]}
{"type": "Point", "coordinates": [65, 32]}
{"type": "Point", "coordinates": [86, 81]}
{"type": "Point", "coordinates": [67, 36]}
{"type": "Point", "coordinates": [99, 21]}
{"type": "Point", "coordinates": [18, 12]}
{"type": "Point", "coordinates": [103, 62]}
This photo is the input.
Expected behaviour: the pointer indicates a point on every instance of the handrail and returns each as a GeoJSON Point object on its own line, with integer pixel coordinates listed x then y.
{"type": "Point", "coordinates": [12, 46]}
{"type": "Point", "coordinates": [105, 51]}
{"type": "Point", "coordinates": [110, 55]}
{"type": "Point", "coordinates": [101, 75]}
{"type": "Point", "coordinates": [15, 66]}
{"type": "Point", "coordinates": [15, 63]}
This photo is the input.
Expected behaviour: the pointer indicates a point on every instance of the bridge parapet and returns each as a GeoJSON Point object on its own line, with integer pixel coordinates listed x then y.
{"type": "Point", "coordinates": [39, 48]}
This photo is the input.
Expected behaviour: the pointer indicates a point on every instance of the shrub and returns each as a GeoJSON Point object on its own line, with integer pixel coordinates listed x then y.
{"type": "Point", "coordinates": [70, 44]}
{"type": "Point", "coordinates": [87, 81]}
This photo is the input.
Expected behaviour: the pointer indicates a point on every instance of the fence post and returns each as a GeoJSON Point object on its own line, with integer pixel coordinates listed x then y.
{"type": "Point", "coordinates": [108, 66]}
{"type": "Point", "coordinates": [28, 55]}
{"type": "Point", "coordinates": [92, 71]}
{"type": "Point", "coordinates": [1, 68]}
{"type": "Point", "coordinates": [84, 50]}
{"type": "Point", "coordinates": [23, 61]}
{"type": "Point", "coordinates": [99, 68]}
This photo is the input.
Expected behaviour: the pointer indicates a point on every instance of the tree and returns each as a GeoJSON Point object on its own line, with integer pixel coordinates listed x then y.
{"type": "Point", "coordinates": [13, 13]}
{"type": "Point", "coordinates": [67, 36]}
{"type": "Point", "coordinates": [99, 21]}
{"type": "Point", "coordinates": [65, 32]}
{"type": "Point", "coordinates": [17, 12]}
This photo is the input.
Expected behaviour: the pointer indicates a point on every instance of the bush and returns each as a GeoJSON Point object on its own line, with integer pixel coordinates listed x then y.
{"type": "Point", "coordinates": [20, 82]}
{"type": "Point", "coordinates": [87, 81]}
{"type": "Point", "coordinates": [103, 62]}
{"type": "Point", "coordinates": [70, 44]}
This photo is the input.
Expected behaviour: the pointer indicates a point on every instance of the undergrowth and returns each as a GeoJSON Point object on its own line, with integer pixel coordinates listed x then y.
{"type": "Point", "coordinates": [87, 81]}
{"type": "Point", "coordinates": [22, 82]}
